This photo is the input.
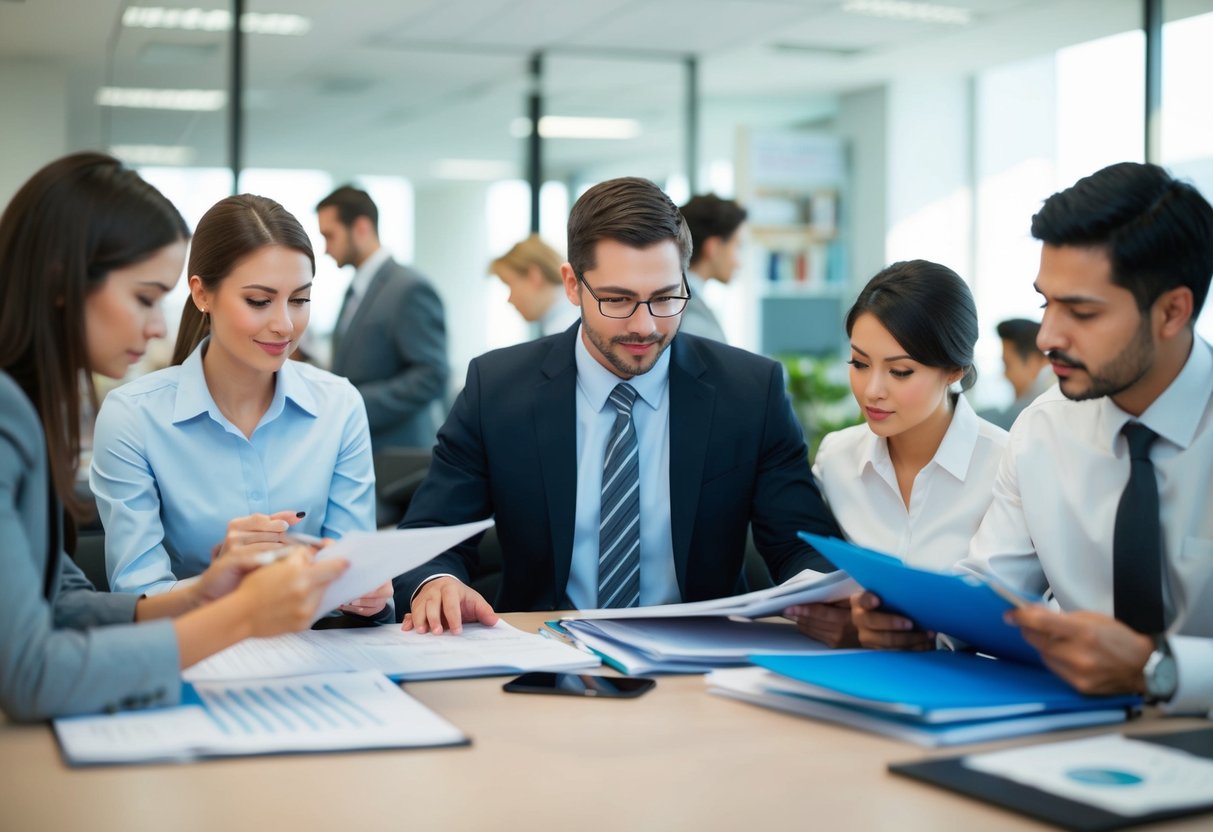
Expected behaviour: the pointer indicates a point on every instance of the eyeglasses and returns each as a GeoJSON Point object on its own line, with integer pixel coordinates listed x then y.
{"type": "Point", "coordinates": [663, 306]}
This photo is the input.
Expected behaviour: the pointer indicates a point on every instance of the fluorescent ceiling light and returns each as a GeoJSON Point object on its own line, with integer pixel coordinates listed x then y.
{"type": "Point", "coordinates": [166, 155]}
{"type": "Point", "coordinates": [214, 20]}
{"type": "Point", "coordinates": [151, 99]}
{"type": "Point", "coordinates": [903, 10]}
{"type": "Point", "coordinates": [578, 127]}
{"type": "Point", "coordinates": [486, 170]}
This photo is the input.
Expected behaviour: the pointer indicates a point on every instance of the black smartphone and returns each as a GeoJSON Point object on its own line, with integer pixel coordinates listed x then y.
{"type": "Point", "coordinates": [580, 684]}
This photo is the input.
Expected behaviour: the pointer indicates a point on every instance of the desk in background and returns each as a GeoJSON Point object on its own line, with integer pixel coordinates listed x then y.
{"type": "Point", "coordinates": [675, 759]}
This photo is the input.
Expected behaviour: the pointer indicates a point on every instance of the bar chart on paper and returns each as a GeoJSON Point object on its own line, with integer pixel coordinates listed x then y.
{"type": "Point", "coordinates": [324, 712]}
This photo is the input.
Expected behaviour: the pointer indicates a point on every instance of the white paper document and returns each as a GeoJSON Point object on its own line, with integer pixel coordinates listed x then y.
{"type": "Point", "coordinates": [376, 557]}
{"type": "Point", "coordinates": [477, 651]}
{"type": "Point", "coordinates": [1112, 772]}
{"type": "Point", "coordinates": [808, 587]}
{"type": "Point", "coordinates": [328, 712]}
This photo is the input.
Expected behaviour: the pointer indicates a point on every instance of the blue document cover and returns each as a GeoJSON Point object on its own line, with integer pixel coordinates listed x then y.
{"type": "Point", "coordinates": [937, 685]}
{"type": "Point", "coordinates": [957, 605]}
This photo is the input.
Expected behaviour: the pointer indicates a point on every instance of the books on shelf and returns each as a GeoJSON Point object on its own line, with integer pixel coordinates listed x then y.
{"type": "Point", "coordinates": [328, 712]}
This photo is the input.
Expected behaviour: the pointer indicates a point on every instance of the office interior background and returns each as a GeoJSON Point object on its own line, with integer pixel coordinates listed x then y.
{"type": "Point", "coordinates": [858, 132]}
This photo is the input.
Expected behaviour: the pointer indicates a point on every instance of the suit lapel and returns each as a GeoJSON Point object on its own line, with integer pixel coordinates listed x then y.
{"type": "Point", "coordinates": [692, 404]}
{"type": "Point", "coordinates": [366, 303]}
{"type": "Point", "coordinates": [555, 419]}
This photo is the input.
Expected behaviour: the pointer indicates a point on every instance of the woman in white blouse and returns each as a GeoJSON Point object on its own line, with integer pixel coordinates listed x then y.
{"type": "Point", "coordinates": [916, 479]}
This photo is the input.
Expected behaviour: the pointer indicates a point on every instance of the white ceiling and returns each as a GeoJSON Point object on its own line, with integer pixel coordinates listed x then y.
{"type": "Point", "coordinates": [389, 86]}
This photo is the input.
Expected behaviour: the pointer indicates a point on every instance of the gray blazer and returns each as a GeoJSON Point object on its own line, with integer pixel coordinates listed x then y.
{"type": "Point", "coordinates": [64, 648]}
{"type": "Point", "coordinates": [394, 352]}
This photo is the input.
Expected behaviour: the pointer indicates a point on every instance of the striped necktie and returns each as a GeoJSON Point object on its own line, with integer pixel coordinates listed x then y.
{"type": "Point", "coordinates": [619, 527]}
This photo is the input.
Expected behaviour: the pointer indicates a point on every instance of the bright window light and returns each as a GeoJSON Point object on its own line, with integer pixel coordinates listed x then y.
{"type": "Point", "coordinates": [483, 170]}
{"type": "Point", "coordinates": [167, 155]}
{"type": "Point", "coordinates": [141, 98]}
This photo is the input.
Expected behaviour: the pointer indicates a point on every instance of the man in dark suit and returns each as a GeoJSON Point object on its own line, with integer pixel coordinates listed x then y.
{"type": "Point", "coordinates": [623, 464]}
{"type": "Point", "coordinates": [390, 339]}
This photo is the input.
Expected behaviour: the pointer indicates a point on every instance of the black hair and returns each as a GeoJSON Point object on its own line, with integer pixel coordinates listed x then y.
{"type": "Point", "coordinates": [710, 216]}
{"type": "Point", "coordinates": [351, 203]}
{"type": "Point", "coordinates": [1157, 231]}
{"type": "Point", "coordinates": [1021, 334]}
{"type": "Point", "coordinates": [928, 310]}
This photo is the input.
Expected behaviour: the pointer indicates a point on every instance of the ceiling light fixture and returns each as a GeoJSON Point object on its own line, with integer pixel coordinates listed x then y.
{"type": "Point", "coordinates": [140, 98]}
{"type": "Point", "coordinates": [164, 155]}
{"type": "Point", "coordinates": [214, 20]}
{"type": "Point", "coordinates": [484, 170]}
{"type": "Point", "coordinates": [916, 12]}
{"type": "Point", "coordinates": [578, 127]}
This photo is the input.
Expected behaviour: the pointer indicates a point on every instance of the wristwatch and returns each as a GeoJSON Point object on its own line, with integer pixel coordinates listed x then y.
{"type": "Point", "coordinates": [1161, 674]}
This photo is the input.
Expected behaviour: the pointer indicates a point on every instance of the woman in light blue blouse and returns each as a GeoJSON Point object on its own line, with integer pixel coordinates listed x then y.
{"type": "Point", "coordinates": [87, 251]}
{"type": "Point", "coordinates": [234, 429]}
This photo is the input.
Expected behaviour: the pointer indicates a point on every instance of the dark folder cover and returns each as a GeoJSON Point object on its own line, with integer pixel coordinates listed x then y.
{"type": "Point", "coordinates": [951, 773]}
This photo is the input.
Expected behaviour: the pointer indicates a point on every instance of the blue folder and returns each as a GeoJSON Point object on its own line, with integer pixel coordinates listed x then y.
{"type": "Point", "coordinates": [962, 606]}
{"type": "Point", "coordinates": [937, 685]}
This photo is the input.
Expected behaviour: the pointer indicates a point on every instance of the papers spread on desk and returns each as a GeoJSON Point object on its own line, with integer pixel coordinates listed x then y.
{"type": "Point", "coordinates": [759, 686]}
{"type": "Point", "coordinates": [330, 712]}
{"type": "Point", "coordinates": [684, 645]}
{"type": "Point", "coordinates": [807, 587]}
{"type": "Point", "coordinates": [477, 651]}
{"type": "Point", "coordinates": [376, 557]}
{"type": "Point", "coordinates": [1114, 773]}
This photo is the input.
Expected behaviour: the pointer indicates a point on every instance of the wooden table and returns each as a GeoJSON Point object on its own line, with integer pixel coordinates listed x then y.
{"type": "Point", "coordinates": [674, 759]}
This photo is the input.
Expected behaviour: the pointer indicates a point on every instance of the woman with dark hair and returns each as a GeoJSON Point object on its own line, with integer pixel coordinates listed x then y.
{"type": "Point", "coordinates": [233, 429]}
{"type": "Point", "coordinates": [87, 251]}
{"type": "Point", "coordinates": [916, 479]}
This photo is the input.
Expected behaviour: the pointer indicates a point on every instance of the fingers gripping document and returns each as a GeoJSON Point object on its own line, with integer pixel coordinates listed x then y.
{"type": "Point", "coordinates": [376, 557]}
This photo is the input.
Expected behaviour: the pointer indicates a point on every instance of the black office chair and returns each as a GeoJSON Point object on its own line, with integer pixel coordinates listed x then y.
{"type": "Point", "coordinates": [90, 557]}
{"type": "Point", "coordinates": [398, 473]}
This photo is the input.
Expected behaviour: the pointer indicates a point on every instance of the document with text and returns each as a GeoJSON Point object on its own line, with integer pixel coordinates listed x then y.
{"type": "Point", "coordinates": [324, 712]}
{"type": "Point", "coordinates": [477, 651]}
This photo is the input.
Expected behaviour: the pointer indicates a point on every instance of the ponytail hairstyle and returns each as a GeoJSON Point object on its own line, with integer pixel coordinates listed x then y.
{"type": "Point", "coordinates": [75, 221]}
{"type": "Point", "coordinates": [231, 230]}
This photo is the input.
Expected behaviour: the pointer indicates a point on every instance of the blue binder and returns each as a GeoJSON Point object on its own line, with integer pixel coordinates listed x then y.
{"type": "Point", "coordinates": [961, 606]}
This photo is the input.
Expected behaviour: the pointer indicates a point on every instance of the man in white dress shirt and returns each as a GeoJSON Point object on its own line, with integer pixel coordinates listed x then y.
{"type": "Point", "coordinates": [1103, 495]}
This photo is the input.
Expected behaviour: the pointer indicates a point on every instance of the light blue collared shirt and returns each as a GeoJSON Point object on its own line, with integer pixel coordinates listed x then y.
{"type": "Point", "coordinates": [170, 470]}
{"type": "Point", "coordinates": [651, 414]}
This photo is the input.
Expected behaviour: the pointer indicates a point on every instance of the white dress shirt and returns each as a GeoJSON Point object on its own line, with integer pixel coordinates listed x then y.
{"type": "Point", "coordinates": [948, 499]}
{"type": "Point", "coordinates": [651, 414]}
{"type": "Point", "coordinates": [698, 318]}
{"type": "Point", "coordinates": [1055, 498]}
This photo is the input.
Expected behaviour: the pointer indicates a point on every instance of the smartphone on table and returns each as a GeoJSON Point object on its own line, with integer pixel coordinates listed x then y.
{"type": "Point", "coordinates": [580, 684]}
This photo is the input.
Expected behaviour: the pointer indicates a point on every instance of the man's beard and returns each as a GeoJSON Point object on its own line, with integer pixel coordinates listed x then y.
{"type": "Point", "coordinates": [1119, 374]}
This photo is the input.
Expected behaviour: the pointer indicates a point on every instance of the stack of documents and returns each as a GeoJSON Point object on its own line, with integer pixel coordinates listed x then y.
{"type": "Point", "coordinates": [683, 645]}
{"type": "Point", "coordinates": [933, 698]}
{"type": "Point", "coordinates": [334, 712]}
{"type": "Point", "coordinates": [477, 651]}
{"type": "Point", "coordinates": [699, 636]}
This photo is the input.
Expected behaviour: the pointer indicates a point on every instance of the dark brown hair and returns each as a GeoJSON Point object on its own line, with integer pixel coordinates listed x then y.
{"type": "Point", "coordinates": [231, 230]}
{"type": "Point", "coordinates": [629, 210]}
{"type": "Point", "coordinates": [351, 203]}
{"type": "Point", "coordinates": [75, 221]}
{"type": "Point", "coordinates": [710, 216]}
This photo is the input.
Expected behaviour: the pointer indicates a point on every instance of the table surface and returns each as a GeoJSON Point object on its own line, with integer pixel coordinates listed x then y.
{"type": "Point", "coordinates": [677, 758]}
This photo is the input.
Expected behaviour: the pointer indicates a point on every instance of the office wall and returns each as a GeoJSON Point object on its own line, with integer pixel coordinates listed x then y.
{"type": "Point", "coordinates": [33, 99]}
{"type": "Point", "coordinates": [862, 122]}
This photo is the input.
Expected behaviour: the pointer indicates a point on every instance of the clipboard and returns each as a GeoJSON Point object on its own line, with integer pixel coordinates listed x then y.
{"type": "Point", "coordinates": [951, 773]}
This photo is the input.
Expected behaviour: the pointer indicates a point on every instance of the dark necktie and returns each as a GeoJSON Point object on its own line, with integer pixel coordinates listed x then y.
{"type": "Point", "coordinates": [1137, 540]}
{"type": "Point", "coordinates": [619, 526]}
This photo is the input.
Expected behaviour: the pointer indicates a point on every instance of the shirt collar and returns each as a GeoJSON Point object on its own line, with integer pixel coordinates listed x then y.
{"type": "Point", "coordinates": [597, 382]}
{"type": "Point", "coordinates": [954, 454]}
{"type": "Point", "coordinates": [1175, 415]}
{"type": "Point", "coordinates": [194, 397]}
{"type": "Point", "coordinates": [364, 273]}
